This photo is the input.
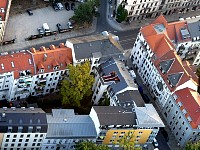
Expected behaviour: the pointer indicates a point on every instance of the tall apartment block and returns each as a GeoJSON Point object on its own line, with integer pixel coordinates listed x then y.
{"type": "Point", "coordinates": [171, 81]}
{"type": "Point", "coordinates": [140, 9]}
{"type": "Point", "coordinates": [4, 14]}
{"type": "Point", "coordinates": [33, 72]}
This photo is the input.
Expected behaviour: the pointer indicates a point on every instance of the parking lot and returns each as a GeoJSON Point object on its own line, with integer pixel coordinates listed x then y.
{"type": "Point", "coordinates": [22, 25]}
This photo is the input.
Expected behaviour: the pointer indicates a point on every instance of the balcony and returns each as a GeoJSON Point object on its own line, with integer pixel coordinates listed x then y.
{"type": "Point", "coordinates": [43, 79]}
{"type": "Point", "coordinates": [24, 91]}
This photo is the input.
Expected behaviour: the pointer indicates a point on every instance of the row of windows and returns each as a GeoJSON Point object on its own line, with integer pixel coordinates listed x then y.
{"type": "Point", "coordinates": [24, 136]}
{"type": "Point", "coordinates": [19, 144]}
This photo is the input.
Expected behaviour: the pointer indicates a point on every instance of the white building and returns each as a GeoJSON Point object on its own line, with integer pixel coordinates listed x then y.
{"type": "Point", "coordinates": [65, 129]}
{"type": "Point", "coordinates": [22, 128]}
{"type": "Point", "coordinates": [161, 69]}
{"type": "Point", "coordinates": [4, 14]}
{"type": "Point", "coordinates": [111, 78]}
{"type": "Point", "coordinates": [34, 72]}
{"type": "Point", "coordinates": [95, 48]}
{"type": "Point", "coordinates": [183, 115]}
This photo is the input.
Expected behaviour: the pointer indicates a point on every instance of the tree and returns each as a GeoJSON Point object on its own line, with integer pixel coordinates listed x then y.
{"type": "Point", "coordinates": [122, 13]}
{"type": "Point", "coordinates": [127, 142]}
{"type": "Point", "coordinates": [85, 12]}
{"type": "Point", "coordinates": [89, 145]}
{"type": "Point", "coordinates": [193, 146]}
{"type": "Point", "coordinates": [77, 85]}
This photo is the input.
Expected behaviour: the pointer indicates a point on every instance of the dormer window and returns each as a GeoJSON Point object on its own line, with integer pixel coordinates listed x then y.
{"type": "Point", "coordinates": [56, 68]}
{"type": "Point", "coordinates": [41, 70]}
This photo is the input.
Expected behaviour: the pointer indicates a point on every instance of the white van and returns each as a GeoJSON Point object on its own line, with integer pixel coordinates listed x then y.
{"type": "Point", "coordinates": [46, 28]}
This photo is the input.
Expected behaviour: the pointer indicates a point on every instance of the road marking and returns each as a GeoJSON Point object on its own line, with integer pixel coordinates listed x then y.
{"type": "Point", "coordinates": [127, 40]}
{"type": "Point", "coordinates": [114, 31]}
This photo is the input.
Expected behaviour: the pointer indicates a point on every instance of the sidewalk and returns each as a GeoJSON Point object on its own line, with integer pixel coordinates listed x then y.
{"type": "Point", "coordinates": [140, 23]}
{"type": "Point", "coordinates": [61, 36]}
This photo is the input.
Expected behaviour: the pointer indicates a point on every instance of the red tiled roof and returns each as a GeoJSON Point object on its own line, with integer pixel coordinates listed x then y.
{"type": "Point", "coordinates": [190, 100]}
{"type": "Point", "coordinates": [176, 67]}
{"type": "Point", "coordinates": [3, 4]}
{"type": "Point", "coordinates": [16, 62]}
{"type": "Point", "coordinates": [160, 20]}
{"type": "Point", "coordinates": [49, 58]}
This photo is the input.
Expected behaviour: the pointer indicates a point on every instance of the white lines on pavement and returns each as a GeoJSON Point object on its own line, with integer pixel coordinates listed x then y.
{"type": "Point", "coordinates": [127, 40]}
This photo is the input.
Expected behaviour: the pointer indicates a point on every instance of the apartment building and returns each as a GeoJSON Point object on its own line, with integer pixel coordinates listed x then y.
{"type": "Point", "coordinates": [22, 128]}
{"type": "Point", "coordinates": [4, 14]}
{"type": "Point", "coordinates": [113, 122]}
{"type": "Point", "coordinates": [183, 115]}
{"type": "Point", "coordinates": [111, 78]}
{"type": "Point", "coordinates": [95, 48]}
{"type": "Point", "coordinates": [65, 129]}
{"type": "Point", "coordinates": [161, 69]}
{"type": "Point", "coordinates": [141, 9]}
{"type": "Point", "coordinates": [34, 72]}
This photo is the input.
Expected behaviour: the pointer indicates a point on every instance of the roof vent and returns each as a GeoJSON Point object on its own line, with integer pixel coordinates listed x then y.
{"type": "Point", "coordinates": [5, 108]}
{"type": "Point", "coordinates": [23, 108]}
{"type": "Point", "coordinates": [65, 119]}
{"type": "Point", "coordinates": [12, 63]}
{"type": "Point", "coordinates": [13, 108]}
{"type": "Point", "coordinates": [43, 48]}
{"type": "Point", "coordinates": [32, 108]}
{"type": "Point", "coordinates": [2, 66]}
{"type": "Point", "coordinates": [61, 45]}
{"type": "Point", "coordinates": [3, 115]}
{"type": "Point", "coordinates": [45, 57]}
{"type": "Point", "coordinates": [33, 50]}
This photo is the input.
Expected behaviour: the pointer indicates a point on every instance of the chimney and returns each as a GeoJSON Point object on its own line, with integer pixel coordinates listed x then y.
{"type": "Point", "coordinates": [61, 45]}
{"type": "Point", "coordinates": [52, 47]}
{"type": "Point", "coordinates": [32, 50]}
{"type": "Point", "coordinates": [42, 48]}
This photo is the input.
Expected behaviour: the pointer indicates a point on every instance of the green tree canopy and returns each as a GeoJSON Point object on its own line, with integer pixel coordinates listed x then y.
{"type": "Point", "coordinates": [85, 12]}
{"type": "Point", "coordinates": [89, 145]}
{"type": "Point", "coordinates": [77, 85]}
{"type": "Point", "coordinates": [122, 13]}
{"type": "Point", "coordinates": [193, 146]}
{"type": "Point", "coordinates": [127, 142]}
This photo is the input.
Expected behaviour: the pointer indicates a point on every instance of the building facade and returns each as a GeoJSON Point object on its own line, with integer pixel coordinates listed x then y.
{"type": "Point", "coordinates": [34, 72]}
{"type": "Point", "coordinates": [4, 14]}
{"type": "Point", "coordinates": [141, 9]}
{"type": "Point", "coordinates": [114, 122]}
{"type": "Point", "coordinates": [65, 129]}
{"type": "Point", "coordinates": [22, 128]}
{"type": "Point", "coordinates": [161, 69]}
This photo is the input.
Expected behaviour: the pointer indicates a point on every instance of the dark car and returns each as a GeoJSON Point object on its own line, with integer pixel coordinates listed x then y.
{"type": "Point", "coordinates": [72, 6]}
{"type": "Point", "coordinates": [165, 134]}
{"type": "Point", "coordinates": [145, 98]}
{"type": "Point", "coordinates": [59, 26]}
{"type": "Point", "coordinates": [41, 31]}
{"type": "Point", "coordinates": [29, 11]}
{"type": "Point", "coordinates": [67, 6]}
{"type": "Point", "coordinates": [55, 7]}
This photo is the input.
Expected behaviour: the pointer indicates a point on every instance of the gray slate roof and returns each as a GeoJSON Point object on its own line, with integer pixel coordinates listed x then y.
{"type": "Point", "coordinates": [118, 66]}
{"type": "Point", "coordinates": [114, 115]}
{"type": "Point", "coordinates": [85, 46]}
{"type": "Point", "coordinates": [17, 117]}
{"type": "Point", "coordinates": [128, 98]}
{"type": "Point", "coordinates": [194, 28]}
{"type": "Point", "coordinates": [64, 123]}
{"type": "Point", "coordinates": [175, 78]}
{"type": "Point", "coordinates": [166, 64]}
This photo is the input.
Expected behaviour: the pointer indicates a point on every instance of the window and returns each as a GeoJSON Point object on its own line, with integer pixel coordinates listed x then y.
{"type": "Point", "coordinates": [30, 129]}
{"type": "Point", "coordinates": [33, 144]}
{"type": "Point", "coordinates": [12, 145]}
{"type": "Point", "coordinates": [41, 135]}
{"type": "Point", "coordinates": [7, 140]}
{"type": "Point", "coordinates": [8, 136]}
{"type": "Point", "coordinates": [25, 144]}
{"type": "Point", "coordinates": [28, 135]}
{"type": "Point", "coordinates": [13, 140]}
{"type": "Point", "coordinates": [36, 135]}
{"type": "Point", "coordinates": [34, 140]}
{"type": "Point", "coordinates": [56, 78]}
{"type": "Point", "coordinates": [19, 144]}
{"type": "Point", "coordinates": [20, 140]}
{"type": "Point", "coordinates": [14, 136]}
{"type": "Point", "coordinates": [27, 140]}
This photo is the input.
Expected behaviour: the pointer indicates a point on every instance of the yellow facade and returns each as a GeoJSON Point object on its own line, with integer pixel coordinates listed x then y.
{"type": "Point", "coordinates": [139, 135]}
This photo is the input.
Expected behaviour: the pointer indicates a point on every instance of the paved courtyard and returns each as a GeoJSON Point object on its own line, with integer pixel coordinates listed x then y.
{"type": "Point", "coordinates": [21, 26]}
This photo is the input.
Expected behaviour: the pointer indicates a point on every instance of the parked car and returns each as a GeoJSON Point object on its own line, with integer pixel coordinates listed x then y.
{"type": "Point", "coordinates": [29, 11]}
{"type": "Point", "coordinates": [59, 26]}
{"type": "Point", "coordinates": [60, 6]}
{"type": "Point", "coordinates": [55, 7]}
{"type": "Point", "coordinates": [165, 134]}
{"type": "Point", "coordinates": [70, 26]}
{"type": "Point", "coordinates": [72, 6]}
{"type": "Point", "coordinates": [67, 6]}
{"type": "Point", "coordinates": [46, 28]}
{"type": "Point", "coordinates": [155, 143]}
{"type": "Point", "coordinates": [41, 31]}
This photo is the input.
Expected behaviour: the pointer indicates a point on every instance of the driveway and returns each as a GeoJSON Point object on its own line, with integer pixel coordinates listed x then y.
{"type": "Point", "coordinates": [22, 26]}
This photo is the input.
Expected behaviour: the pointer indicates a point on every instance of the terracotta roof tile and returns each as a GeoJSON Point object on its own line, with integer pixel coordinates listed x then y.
{"type": "Point", "coordinates": [3, 4]}
{"type": "Point", "coordinates": [16, 62]}
{"type": "Point", "coordinates": [160, 20]}
{"type": "Point", "coordinates": [56, 56]}
{"type": "Point", "coordinates": [190, 100]}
